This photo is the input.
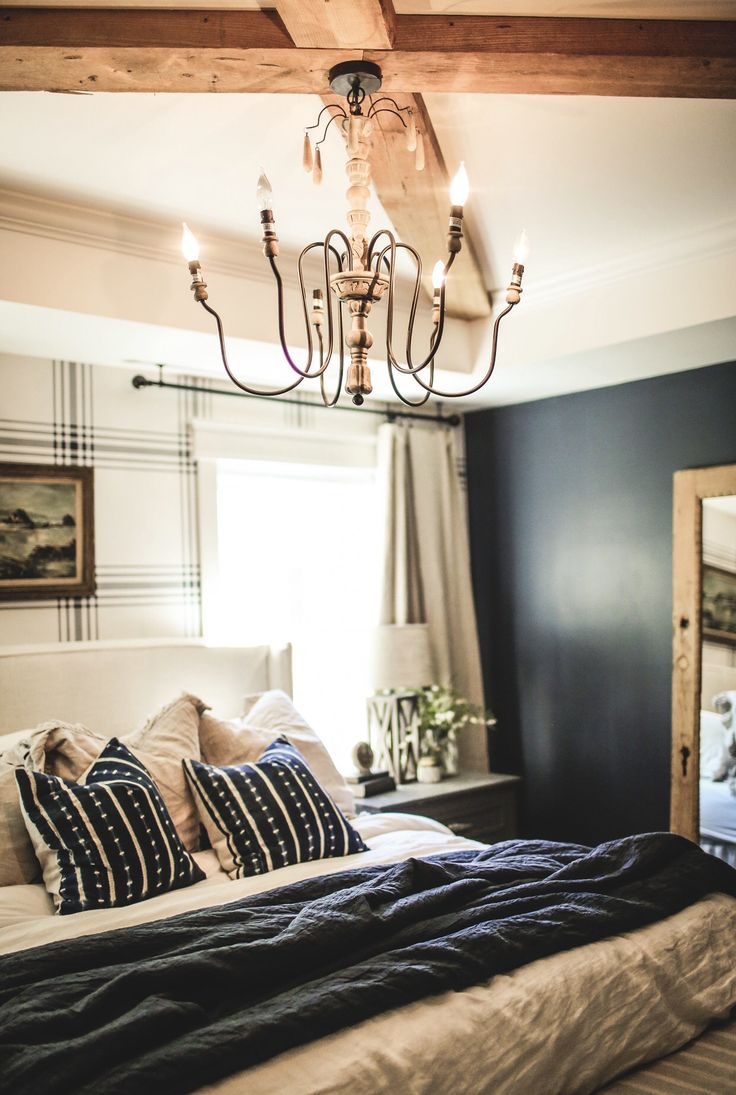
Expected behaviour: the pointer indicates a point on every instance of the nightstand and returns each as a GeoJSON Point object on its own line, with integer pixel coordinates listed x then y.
{"type": "Point", "coordinates": [482, 807]}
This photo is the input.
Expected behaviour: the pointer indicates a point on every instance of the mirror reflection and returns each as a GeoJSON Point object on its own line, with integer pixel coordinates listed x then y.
{"type": "Point", "coordinates": [718, 691]}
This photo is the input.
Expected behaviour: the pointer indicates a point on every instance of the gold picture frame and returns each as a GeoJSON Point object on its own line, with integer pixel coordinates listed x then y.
{"type": "Point", "coordinates": [46, 532]}
{"type": "Point", "coordinates": [719, 605]}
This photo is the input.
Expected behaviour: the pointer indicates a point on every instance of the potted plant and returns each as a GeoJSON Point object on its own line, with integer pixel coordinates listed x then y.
{"type": "Point", "coordinates": [442, 714]}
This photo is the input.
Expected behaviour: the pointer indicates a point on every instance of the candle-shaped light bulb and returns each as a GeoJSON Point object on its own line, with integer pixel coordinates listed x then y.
{"type": "Point", "coordinates": [460, 186]}
{"type": "Point", "coordinates": [263, 191]}
{"type": "Point", "coordinates": [521, 251]}
{"type": "Point", "coordinates": [190, 250]}
{"type": "Point", "coordinates": [438, 275]}
{"type": "Point", "coordinates": [318, 307]}
{"type": "Point", "coordinates": [521, 248]}
{"type": "Point", "coordinates": [189, 245]}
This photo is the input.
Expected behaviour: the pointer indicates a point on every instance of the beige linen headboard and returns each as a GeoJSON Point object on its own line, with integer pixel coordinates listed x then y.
{"type": "Point", "coordinates": [112, 687]}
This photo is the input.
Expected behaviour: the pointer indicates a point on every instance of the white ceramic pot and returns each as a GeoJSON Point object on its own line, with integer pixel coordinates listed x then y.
{"type": "Point", "coordinates": [429, 773]}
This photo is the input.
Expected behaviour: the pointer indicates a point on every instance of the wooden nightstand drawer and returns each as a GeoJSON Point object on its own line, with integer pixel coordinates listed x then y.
{"type": "Point", "coordinates": [477, 807]}
{"type": "Point", "coordinates": [480, 817]}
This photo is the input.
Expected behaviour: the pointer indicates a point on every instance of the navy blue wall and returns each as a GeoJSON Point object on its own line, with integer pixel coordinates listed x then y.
{"type": "Point", "coordinates": [571, 530]}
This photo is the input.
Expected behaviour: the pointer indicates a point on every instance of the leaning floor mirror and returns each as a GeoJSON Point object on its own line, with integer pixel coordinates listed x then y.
{"type": "Point", "coordinates": [703, 797]}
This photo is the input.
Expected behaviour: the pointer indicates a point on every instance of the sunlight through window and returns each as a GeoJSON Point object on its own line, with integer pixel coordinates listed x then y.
{"type": "Point", "coordinates": [298, 555]}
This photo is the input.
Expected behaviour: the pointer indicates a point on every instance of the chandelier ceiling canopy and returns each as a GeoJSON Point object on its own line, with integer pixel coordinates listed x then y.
{"type": "Point", "coordinates": [357, 269]}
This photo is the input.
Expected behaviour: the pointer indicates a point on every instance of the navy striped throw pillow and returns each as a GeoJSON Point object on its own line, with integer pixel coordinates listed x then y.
{"type": "Point", "coordinates": [105, 842]}
{"type": "Point", "coordinates": [269, 814]}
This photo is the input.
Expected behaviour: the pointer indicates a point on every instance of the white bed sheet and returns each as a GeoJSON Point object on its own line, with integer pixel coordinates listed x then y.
{"type": "Point", "coordinates": [560, 1026]}
{"type": "Point", "coordinates": [717, 811]}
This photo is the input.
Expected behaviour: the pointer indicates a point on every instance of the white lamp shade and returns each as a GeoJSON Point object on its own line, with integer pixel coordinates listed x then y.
{"type": "Point", "coordinates": [402, 658]}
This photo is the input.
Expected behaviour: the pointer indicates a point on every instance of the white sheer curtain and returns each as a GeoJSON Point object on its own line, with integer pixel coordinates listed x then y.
{"type": "Point", "coordinates": [426, 565]}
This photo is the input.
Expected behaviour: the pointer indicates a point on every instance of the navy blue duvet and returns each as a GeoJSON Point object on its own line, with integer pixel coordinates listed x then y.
{"type": "Point", "coordinates": [169, 1006]}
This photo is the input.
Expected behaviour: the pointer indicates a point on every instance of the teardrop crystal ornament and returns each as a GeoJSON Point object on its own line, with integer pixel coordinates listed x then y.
{"type": "Point", "coordinates": [411, 134]}
{"type": "Point", "coordinates": [355, 124]}
{"type": "Point", "coordinates": [419, 162]}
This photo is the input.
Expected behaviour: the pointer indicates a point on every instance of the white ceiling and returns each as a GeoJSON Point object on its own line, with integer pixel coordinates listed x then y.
{"type": "Point", "coordinates": [603, 186]}
{"type": "Point", "coordinates": [593, 179]}
{"type": "Point", "coordinates": [175, 157]}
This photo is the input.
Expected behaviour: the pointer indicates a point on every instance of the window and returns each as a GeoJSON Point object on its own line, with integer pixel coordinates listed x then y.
{"type": "Point", "coordinates": [298, 550]}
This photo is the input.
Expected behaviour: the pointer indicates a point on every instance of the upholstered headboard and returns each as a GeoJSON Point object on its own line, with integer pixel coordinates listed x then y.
{"type": "Point", "coordinates": [112, 687]}
{"type": "Point", "coordinates": [716, 678]}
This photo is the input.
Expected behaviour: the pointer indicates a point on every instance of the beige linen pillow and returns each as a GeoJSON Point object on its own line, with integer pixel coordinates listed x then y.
{"type": "Point", "coordinates": [69, 750]}
{"type": "Point", "coordinates": [18, 863]}
{"type": "Point", "coordinates": [168, 738]}
{"type": "Point", "coordinates": [268, 715]}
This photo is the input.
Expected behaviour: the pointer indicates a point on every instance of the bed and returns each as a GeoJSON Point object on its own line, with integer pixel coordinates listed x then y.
{"type": "Point", "coordinates": [568, 1022]}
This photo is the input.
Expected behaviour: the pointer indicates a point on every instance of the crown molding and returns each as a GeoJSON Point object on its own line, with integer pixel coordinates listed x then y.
{"type": "Point", "coordinates": [707, 242]}
{"type": "Point", "coordinates": [91, 226]}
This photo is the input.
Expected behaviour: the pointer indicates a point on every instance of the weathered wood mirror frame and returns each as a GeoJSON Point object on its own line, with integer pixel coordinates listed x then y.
{"type": "Point", "coordinates": [690, 488]}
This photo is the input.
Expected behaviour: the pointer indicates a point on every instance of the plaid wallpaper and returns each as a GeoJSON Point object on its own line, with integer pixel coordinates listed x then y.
{"type": "Point", "coordinates": [146, 521]}
{"type": "Point", "coordinates": [147, 560]}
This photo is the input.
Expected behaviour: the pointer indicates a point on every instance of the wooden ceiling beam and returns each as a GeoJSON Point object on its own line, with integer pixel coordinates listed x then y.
{"type": "Point", "coordinates": [347, 24]}
{"type": "Point", "coordinates": [240, 51]}
{"type": "Point", "coordinates": [417, 203]}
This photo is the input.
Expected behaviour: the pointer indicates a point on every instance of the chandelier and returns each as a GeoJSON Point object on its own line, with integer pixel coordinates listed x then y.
{"type": "Point", "coordinates": [359, 270]}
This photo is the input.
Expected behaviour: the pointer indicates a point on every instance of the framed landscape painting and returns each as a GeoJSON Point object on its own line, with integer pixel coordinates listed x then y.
{"type": "Point", "coordinates": [719, 605]}
{"type": "Point", "coordinates": [46, 532]}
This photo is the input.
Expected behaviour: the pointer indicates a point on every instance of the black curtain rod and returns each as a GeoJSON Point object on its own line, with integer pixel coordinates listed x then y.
{"type": "Point", "coordinates": [390, 415]}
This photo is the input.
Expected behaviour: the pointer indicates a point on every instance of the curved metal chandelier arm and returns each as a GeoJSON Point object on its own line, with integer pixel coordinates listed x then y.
{"type": "Point", "coordinates": [374, 240]}
{"type": "Point", "coordinates": [387, 110]}
{"type": "Point", "coordinates": [491, 367]}
{"type": "Point", "coordinates": [323, 363]}
{"type": "Point", "coordinates": [380, 257]}
{"type": "Point", "coordinates": [330, 106]}
{"type": "Point", "coordinates": [436, 337]}
{"type": "Point", "coordinates": [306, 372]}
{"type": "Point", "coordinates": [327, 250]}
{"type": "Point", "coordinates": [403, 398]}
{"type": "Point", "coordinates": [223, 353]}
{"type": "Point", "coordinates": [392, 362]}
{"type": "Point", "coordinates": [331, 401]}
{"type": "Point", "coordinates": [345, 240]}
{"type": "Point", "coordinates": [398, 110]}
{"type": "Point", "coordinates": [333, 118]}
